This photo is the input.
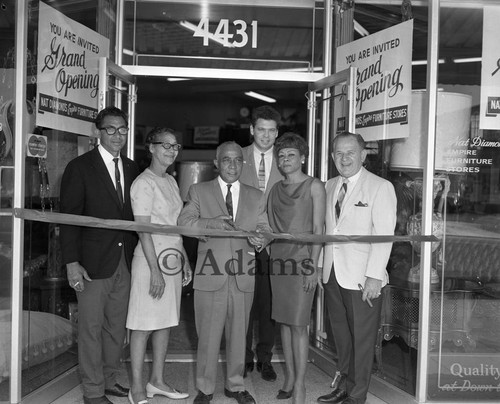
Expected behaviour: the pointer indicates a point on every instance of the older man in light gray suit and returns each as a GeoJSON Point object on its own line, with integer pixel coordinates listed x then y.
{"type": "Point", "coordinates": [358, 203]}
{"type": "Point", "coordinates": [224, 275]}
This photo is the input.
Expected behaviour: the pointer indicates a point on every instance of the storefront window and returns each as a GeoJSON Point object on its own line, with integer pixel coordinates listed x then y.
{"type": "Point", "coordinates": [7, 81]}
{"type": "Point", "coordinates": [464, 361]}
{"type": "Point", "coordinates": [49, 310]}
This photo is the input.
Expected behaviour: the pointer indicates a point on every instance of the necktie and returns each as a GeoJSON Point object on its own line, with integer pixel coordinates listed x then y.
{"type": "Point", "coordinates": [229, 201]}
{"type": "Point", "coordinates": [340, 198]}
{"type": "Point", "coordinates": [262, 173]}
{"type": "Point", "coordinates": [119, 191]}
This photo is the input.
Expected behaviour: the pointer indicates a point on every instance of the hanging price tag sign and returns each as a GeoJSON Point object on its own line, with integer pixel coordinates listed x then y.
{"type": "Point", "coordinates": [37, 146]}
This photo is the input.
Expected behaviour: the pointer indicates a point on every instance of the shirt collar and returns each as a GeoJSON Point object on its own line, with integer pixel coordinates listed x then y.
{"type": "Point", "coordinates": [106, 155]}
{"type": "Point", "coordinates": [267, 153]}
{"type": "Point", "coordinates": [354, 178]}
{"type": "Point", "coordinates": [223, 184]}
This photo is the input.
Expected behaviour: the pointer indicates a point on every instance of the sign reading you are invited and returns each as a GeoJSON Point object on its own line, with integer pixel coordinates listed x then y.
{"type": "Point", "coordinates": [68, 79]}
{"type": "Point", "coordinates": [383, 83]}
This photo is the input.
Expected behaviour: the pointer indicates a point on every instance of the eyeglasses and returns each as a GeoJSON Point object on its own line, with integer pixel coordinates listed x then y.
{"type": "Point", "coordinates": [168, 146]}
{"type": "Point", "coordinates": [110, 130]}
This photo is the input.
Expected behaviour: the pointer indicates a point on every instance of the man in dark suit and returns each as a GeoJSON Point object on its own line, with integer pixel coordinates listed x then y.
{"type": "Point", "coordinates": [97, 184]}
{"type": "Point", "coordinates": [261, 171]}
{"type": "Point", "coordinates": [354, 273]}
{"type": "Point", "coordinates": [224, 275]}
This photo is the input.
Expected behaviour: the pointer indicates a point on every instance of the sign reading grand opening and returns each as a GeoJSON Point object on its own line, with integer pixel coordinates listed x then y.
{"type": "Point", "coordinates": [68, 79]}
{"type": "Point", "coordinates": [383, 83]}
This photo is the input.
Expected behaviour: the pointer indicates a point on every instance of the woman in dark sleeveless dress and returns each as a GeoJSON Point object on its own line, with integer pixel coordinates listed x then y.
{"type": "Point", "coordinates": [296, 205]}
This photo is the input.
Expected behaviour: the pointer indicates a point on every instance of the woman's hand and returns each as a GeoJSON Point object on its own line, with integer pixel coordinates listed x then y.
{"type": "Point", "coordinates": [156, 284]}
{"type": "Point", "coordinates": [187, 274]}
{"type": "Point", "coordinates": [310, 280]}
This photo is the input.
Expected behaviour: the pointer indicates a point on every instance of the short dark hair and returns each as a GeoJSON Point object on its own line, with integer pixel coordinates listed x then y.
{"type": "Point", "coordinates": [152, 136]}
{"type": "Point", "coordinates": [355, 136]}
{"type": "Point", "coordinates": [109, 111]}
{"type": "Point", "coordinates": [267, 113]}
{"type": "Point", "coordinates": [291, 140]}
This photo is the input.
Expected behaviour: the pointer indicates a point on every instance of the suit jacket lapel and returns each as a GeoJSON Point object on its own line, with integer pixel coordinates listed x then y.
{"type": "Point", "coordinates": [353, 196]}
{"type": "Point", "coordinates": [102, 174]}
{"type": "Point", "coordinates": [218, 196]}
{"type": "Point", "coordinates": [241, 201]}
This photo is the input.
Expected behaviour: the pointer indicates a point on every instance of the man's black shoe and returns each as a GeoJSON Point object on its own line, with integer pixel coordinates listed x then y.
{"type": "Point", "coordinates": [202, 398]}
{"type": "Point", "coordinates": [335, 397]}
{"type": "Point", "coordinates": [267, 371]}
{"type": "Point", "coordinates": [243, 397]}
{"type": "Point", "coordinates": [248, 368]}
{"type": "Point", "coordinates": [117, 390]}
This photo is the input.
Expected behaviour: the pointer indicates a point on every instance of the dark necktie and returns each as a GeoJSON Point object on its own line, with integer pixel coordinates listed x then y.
{"type": "Point", "coordinates": [262, 173]}
{"type": "Point", "coordinates": [119, 191]}
{"type": "Point", "coordinates": [229, 201]}
{"type": "Point", "coordinates": [340, 198]}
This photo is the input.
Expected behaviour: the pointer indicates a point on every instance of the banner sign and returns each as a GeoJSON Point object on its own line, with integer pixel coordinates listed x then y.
{"type": "Point", "coordinates": [383, 83]}
{"type": "Point", "coordinates": [68, 75]}
{"type": "Point", "coordinates": [489, 111]}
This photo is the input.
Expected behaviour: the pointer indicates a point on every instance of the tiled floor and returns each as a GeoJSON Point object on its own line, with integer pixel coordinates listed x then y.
{"type": "Point", "coordinates": [181, 376]}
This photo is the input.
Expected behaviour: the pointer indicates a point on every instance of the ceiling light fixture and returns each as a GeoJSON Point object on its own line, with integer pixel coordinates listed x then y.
{"type": "Point", "coordinates": [360, 29]}
{"type": "Point", "coordinates": [424, 62]}
{"type": "Point", "coordinates": [467, 60]}
{"type": "Point", "coordinates": [193, 28]}
{"type": "Point", "coordinates": [260, 97]}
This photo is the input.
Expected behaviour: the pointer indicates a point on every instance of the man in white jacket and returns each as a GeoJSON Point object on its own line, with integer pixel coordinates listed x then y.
{"type": "Point", "coordinates": [358, 203]}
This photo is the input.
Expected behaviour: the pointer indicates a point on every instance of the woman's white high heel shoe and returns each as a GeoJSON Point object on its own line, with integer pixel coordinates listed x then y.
{"type": "Point", "coordinates": [173, 395]}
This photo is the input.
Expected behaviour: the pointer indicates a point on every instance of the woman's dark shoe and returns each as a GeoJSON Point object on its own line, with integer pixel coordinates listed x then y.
{"type": "Point", "coordinates": [284, 395]}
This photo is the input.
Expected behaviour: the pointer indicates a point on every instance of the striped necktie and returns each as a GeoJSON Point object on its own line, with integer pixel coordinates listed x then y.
{"type": "Point", "coordinates": [119, 191]}
{"type": "Point", "coordinates": [340, 198]}
{"type": "Point", "coordinates": [262, 173]}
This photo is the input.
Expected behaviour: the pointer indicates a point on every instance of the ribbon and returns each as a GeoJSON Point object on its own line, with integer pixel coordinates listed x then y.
{"type": "Point", "coordinates": [89, 221]}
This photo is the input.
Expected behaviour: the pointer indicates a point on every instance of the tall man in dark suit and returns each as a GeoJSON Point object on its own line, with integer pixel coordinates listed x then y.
{"type": "Point", "coordinates": [358, 203]}
{"type": "Point", "coordinates": [224, 276]}
{"type": "Point", "coordinates": [97, 184]}
{"type": "Point", "coordinates": [261, 171]}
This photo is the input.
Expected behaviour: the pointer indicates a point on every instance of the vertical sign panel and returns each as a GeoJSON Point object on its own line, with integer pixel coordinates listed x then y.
{"type": "Point", "coordinates": [490, 71]}
{"type": "Point", "coordinates": [383, 83]}
{"type": "Point", "coordinates": [68, 79]}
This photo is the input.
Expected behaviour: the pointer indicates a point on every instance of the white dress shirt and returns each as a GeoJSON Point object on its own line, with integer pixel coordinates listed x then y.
{"type": "Point", "coordinates": [235, 193]}
{"type": "Point", "coordinates": [110, 165]}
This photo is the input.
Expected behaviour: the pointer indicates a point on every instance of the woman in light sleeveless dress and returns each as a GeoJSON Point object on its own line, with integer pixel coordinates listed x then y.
{"type": "Point", "coordinates": [159, 268]}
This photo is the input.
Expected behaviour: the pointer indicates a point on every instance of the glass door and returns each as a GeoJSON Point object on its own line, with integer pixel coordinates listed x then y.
{"type": "Point", "coordinates": [118, 87]}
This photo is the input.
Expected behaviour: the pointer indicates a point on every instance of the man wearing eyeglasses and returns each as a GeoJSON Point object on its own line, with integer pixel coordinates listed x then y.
{"type": "Point", "coordinates": [97, 184]}
{"type": "Point", "coordinates": [261, 171]}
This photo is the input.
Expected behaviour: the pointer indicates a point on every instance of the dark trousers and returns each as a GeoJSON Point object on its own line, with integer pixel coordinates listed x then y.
{"type": "Point", "coordinates": [261, 312]}
{"type": "Point", "coordinates": [354, 327]}
{"type": "Point", "coordinates": [102, 312]}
